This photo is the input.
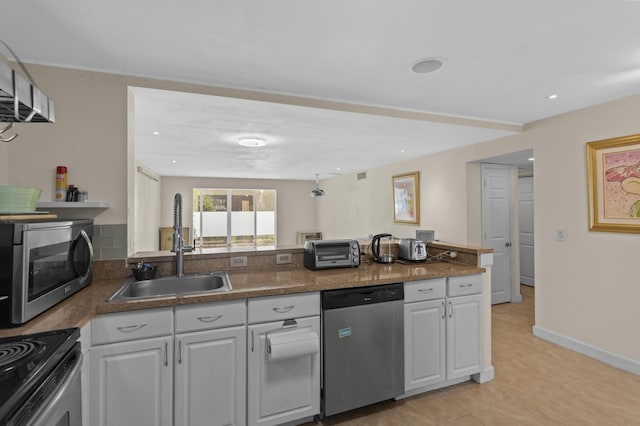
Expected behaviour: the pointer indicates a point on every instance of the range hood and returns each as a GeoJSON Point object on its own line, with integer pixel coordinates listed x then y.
{"type": "Point", "coordinates": [21, 101]}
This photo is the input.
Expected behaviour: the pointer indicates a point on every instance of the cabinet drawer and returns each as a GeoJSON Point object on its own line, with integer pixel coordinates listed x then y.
{"type": "Point", "coordinates": [416, 291]}
{"type": "Point", "coordinates": [134, 325]}
{"type": "Point", "coordinates": [275, 308]}
{"type": "Point", "coordinates": [206, 316]}
{"type": "Point", "coordinates": [466, 284]}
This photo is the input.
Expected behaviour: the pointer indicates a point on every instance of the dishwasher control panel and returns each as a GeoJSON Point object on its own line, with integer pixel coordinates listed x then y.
{"type": "Point", "coordinates": [332, 299]}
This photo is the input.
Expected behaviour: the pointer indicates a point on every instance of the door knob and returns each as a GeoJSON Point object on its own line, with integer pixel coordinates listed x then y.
{"type": "Point", "coordinates": [508, 244]}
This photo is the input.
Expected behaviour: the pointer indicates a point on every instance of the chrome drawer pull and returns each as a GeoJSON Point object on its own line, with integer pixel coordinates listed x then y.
{"type": "Point", "coordinates": [209, 319]}
{"type": "Point", "coordinates": [283, 310]}
{"type": "Point", "coordinates": [425, 290]}
{"type": "Point", "coordinates": [131, 328]}
{"type": "Point", "coordinates": [465, 285]}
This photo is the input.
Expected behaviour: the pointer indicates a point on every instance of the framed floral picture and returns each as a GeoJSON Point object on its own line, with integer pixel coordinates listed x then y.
{"type": "Point", "coordinates": [613, 180]}
{"type": "Point", "coordinates": [406, 198]}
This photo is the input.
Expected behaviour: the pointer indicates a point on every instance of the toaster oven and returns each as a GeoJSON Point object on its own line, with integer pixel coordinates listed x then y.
{"type": "Point", "coordinates": [328, 254]}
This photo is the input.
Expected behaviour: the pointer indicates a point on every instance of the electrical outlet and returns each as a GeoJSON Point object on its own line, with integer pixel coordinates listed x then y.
{"type": "Point", "coordinates": [238, 261]}
{"type": "Point", "coordinates": [283, 258]}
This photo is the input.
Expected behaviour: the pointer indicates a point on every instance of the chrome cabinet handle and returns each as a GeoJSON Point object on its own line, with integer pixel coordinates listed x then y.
{"type": "Point", "coordinates": [425, 290]}
{"type": "Point", "coordinates": [444, 310]}
{"type": "Point", "coordinates": [210, 319]}
{"type": "Point", "coordinates": [252, 341]}
{"type": "Point", "coordinates": [166, 354]}
{"type": "Point", "coordinates": [131, 328]}
{"type": "Point", "coordinates": [450, 309]}
{"type": "Point", "coordinates": [284, 309]}
{"type": "Point", "coordinates": [179, 351]}
{"type": "Point", "coordinates": [465, 285]}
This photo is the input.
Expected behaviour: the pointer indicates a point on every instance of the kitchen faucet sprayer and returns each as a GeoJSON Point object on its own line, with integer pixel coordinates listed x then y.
{"type": "Point", "coordinates": [178, 243]}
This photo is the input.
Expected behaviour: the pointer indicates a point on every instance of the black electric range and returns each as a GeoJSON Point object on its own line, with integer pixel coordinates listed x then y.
{"type": "Point", "coordinates": [27, 365]}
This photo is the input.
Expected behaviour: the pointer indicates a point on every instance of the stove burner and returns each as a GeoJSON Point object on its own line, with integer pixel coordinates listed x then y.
{"type": "Point", "coordinates": [14, 354]}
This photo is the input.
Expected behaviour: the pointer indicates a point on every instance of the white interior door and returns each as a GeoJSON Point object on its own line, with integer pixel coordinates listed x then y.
{"type": "Point", "coordinates": [525, 212]}
{"type": "Point", "coordinates": [497, 227]}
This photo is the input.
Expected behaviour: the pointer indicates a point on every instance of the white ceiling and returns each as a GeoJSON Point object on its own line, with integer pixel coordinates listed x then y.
{"type": "Point", "coordinates": [502, 58]}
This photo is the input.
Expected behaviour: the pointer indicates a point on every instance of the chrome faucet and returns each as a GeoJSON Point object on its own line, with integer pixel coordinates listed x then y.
{"type": "Point", "coordinates": [178, 243]}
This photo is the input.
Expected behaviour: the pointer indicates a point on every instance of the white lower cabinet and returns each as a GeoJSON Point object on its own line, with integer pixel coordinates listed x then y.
{"type": "Point", "coordinates": [210, 377]}
{"type": "Point", "coordinates": [194, 378]}
{"type": "Point", "coordinates": [443, 330]}
{"type": "Point", "coordinates": [425, 344]}
{"type": "Point", "coordinates": [464, 336]}
{"type": "Point", "coordinates": [131, 383]}
{"type": "Point", "coordinates": [283, 386]}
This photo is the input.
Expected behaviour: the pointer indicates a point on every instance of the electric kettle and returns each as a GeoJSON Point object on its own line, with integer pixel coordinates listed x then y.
{"type": "Point", "coordinates": [375, 248]}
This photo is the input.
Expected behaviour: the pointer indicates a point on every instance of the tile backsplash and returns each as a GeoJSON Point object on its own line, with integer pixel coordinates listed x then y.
{"type": "Point", "coordinates": [110, 241]}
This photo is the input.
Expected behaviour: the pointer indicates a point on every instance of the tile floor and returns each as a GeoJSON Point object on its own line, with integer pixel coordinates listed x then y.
{"type": "Point", "coordinates": [536, 383]}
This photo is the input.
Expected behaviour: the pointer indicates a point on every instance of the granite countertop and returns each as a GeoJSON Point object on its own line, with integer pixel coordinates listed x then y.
{"type": "Point", "coordinates": [77, 310]}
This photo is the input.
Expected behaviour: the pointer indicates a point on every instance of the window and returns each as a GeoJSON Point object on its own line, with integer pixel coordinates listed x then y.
{"type": "Point", "coordinates": [234, 217]}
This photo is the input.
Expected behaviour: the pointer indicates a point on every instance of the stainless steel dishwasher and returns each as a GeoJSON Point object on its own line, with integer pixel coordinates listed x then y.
{"type": "Point", "coordinates": [363, 350]}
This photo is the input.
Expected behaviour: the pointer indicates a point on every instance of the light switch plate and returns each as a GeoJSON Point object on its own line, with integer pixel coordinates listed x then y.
{"type": "Point", "coordinates": [238, 261]}
{"type": "Point", "coordinates": [561, 234]}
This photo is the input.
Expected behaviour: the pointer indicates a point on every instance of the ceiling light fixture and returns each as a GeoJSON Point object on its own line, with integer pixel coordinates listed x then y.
{"type": "Point", "coordinates": [317, 192]}
{"type": "Point", "coordinates": [552, 96]}
{"type": "Point", "coordinates": [252, 142]}
{"type": "Point", "coordinates": [156, 133]}
{"type": "Point", "coordinates": [425, 66]}
{"type": "Point", "coordinates": [531, 159]}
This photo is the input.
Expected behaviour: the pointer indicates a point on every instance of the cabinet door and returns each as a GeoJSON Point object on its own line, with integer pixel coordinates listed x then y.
{"type": "Point", "coordinates": [210, 384]}
{"type": "Point", "coordinates": [424, 343]}
{"type": "Point", "coordinates": [131, 383]}
{"type": "Point", "coordinates": [464, 336]}
{"type": "Point", "coordinates": [285, 390]}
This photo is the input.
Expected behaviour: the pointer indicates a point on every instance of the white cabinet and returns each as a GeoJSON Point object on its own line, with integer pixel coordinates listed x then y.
{"type": "Point", "coordinates": [424, 337]}
{"type": "Point", "coordinates": [424, 333]}
{"type": "Point", "coordinates": [464, 336]}
{"type": "Point", "coordinates": [131, 370]}
{"type": "Point", "coordinates": [210, 365]}
{"type": "Point", "coordinates": [284, 389]}
{"type": "Point", "coordinates": [443, 330]}
{"type": "Point", "coordinates": [142, 375]}
{"type": "Point", "coordinates": [131, 383]}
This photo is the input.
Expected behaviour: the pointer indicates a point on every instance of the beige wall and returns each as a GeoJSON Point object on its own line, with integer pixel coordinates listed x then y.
{"type": "Point", "coordinates": [586, 286]}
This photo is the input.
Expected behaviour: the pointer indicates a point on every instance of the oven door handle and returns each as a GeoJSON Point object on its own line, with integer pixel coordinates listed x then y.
{"type": "Point", "coordinates": [46, 411]}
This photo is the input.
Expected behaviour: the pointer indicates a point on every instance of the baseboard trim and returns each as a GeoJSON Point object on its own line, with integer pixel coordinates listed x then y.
{"type": "Point", "coordinates": [485, 375]}
{"type": "Point", "coordinates": [612, 359]}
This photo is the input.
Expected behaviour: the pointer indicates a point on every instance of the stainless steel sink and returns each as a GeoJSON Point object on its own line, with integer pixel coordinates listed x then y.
{"type": "Point", "coordinates": [214, 282]}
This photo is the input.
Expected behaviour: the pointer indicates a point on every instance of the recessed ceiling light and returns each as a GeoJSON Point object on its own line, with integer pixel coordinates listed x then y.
{"type": "Point", "coordinates": [402, 150]}
{"type": "Point", "coordinates": [174, 161]}
{"type": "Point", "coordinates": [156, 133]}
{"type": "Point", "coordinates": [252, 142]}
{"type": "Point", "coordinates": [424, 66]}
{"type": "Point", "coordinates": [531, 159]}
{"type": "Point", "coordinates": [552, 96]}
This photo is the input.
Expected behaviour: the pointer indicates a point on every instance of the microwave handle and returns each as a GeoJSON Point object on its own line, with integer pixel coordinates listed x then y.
{"type": "Point", "coordinates": [87, 240]}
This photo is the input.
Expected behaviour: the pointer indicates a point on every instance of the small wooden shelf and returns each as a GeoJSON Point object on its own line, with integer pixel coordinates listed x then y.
{"type": "Point", "coordinates": [73, 205]}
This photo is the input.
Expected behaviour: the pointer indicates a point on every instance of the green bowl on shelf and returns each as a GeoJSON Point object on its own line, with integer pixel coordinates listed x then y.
{"type": "Point", "coordinates": [15, 199]}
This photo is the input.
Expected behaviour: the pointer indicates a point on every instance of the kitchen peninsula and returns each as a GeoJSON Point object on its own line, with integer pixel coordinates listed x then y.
{"type": "Point", "coordinates": [170, 341]}
{"type": "Point", "coordinates": [261, 277]}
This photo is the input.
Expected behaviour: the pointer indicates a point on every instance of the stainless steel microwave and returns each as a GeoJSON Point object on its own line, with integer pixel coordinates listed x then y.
{"type": "Point", "coordinates": [41, 264]}
{"type": "Point", "coordinates": [327, 254]}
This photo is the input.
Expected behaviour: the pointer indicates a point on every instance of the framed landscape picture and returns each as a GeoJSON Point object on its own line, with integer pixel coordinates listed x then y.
{"type": "Point", "coordinates": [406, 198]}
{"type": "Point", "coordinates": [613, 180]}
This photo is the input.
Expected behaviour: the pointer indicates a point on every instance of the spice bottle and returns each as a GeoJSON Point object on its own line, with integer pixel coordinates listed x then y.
{"type": "Point", "coordinates": [61, 183]}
